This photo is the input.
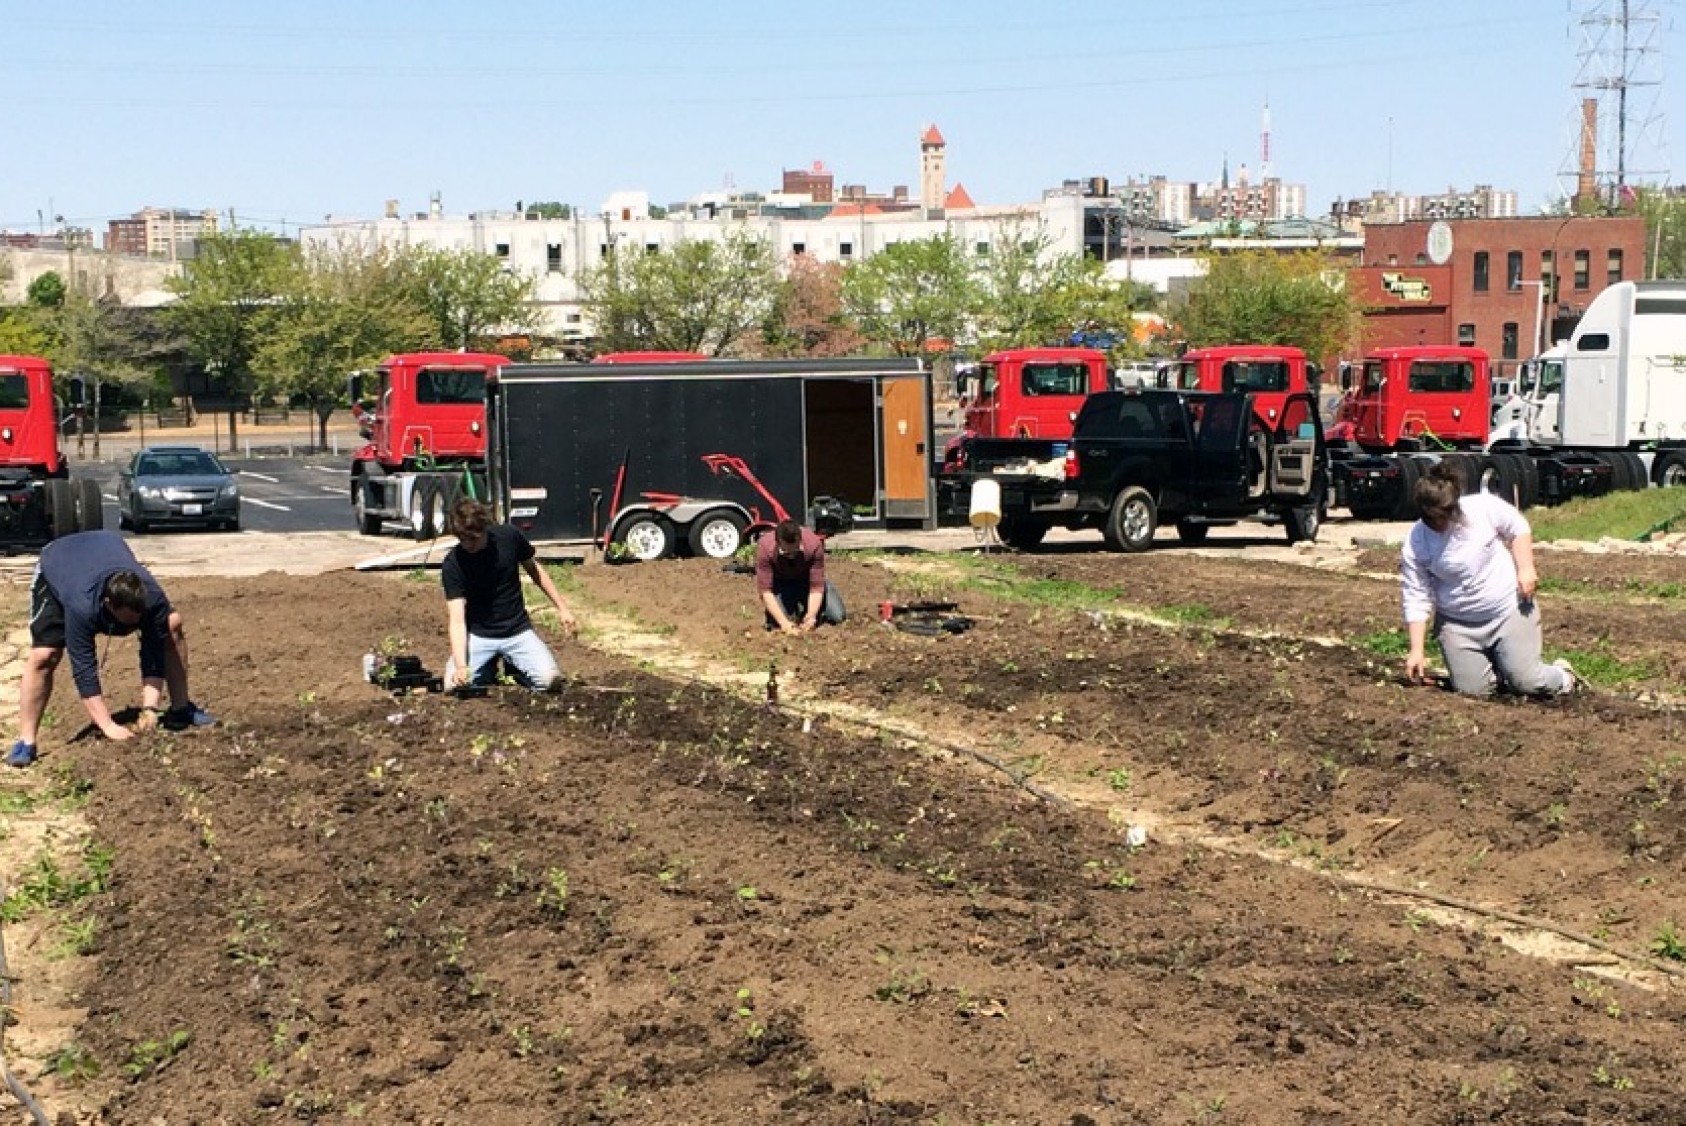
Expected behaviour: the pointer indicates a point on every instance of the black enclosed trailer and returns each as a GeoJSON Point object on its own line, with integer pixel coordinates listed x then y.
{"type": "Point", "coordinates": [572, 449]}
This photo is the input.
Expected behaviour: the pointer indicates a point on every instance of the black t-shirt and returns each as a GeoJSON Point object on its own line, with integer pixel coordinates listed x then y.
{"type": "Point", "coordinates": [490, 581]}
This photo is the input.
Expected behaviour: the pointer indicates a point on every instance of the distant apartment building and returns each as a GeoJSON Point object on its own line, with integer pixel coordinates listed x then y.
{"type": "Point", "coordinates": [1510, 286]}
{"type": "Point", "coordinates": [1484, 202]}
{"type": "Point", "coordinates": [816, 182]}
{"type": "Point", "coordinates": [159, 232]}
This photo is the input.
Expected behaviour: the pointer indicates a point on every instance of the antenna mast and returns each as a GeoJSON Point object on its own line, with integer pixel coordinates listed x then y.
{"type": "Point", "coordinates": [1621, 71]}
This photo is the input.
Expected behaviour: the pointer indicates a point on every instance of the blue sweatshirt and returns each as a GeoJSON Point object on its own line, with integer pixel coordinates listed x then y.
{"type": "Point", "coordinates": [75, 569]}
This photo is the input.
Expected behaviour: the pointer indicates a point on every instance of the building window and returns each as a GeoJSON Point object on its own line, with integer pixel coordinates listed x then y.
{"type": "Point", "coordinates": [1583, 269]}
{"type": "Point", "coordinates": [845, 250]}
{"type": "Point", "coordinates": [1481, 271]}
{"type": "Point", "coordinates": [983, 250]}
{"type": "Point", "coordinates": [799, 248]}
{"type": "Point", "coordinates": [1507, 348]}
{"type": "Point", "coordinates": [652, 248]}
{"type": "Point", "coordinates": [553, 257]}
{"type": "Point", "coordinates": [1548, 275]}
{"type": "Point", "coordinates": [1513, 271]}
{"type": "Point", "coordinates": [1613, 267]}
{"type": "Point", "coordinates": [1466, 335]}
{"type": "Point", "coordinates": [501, 250]}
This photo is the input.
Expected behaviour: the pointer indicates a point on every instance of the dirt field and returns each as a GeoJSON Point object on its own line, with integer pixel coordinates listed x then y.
{"type": "Point", "coordinates": [916, 890]}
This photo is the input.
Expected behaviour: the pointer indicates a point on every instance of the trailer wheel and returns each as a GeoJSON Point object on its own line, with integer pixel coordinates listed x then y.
{"type": "Point", "coordinates": [439, 502]}
{"type": "Point", "coordinates": [1636, 470]}
{"type": "Point", "coordinates": [1131, 523]}
{"type": "Point", "coordinates": [1303, 524]}
{"type": "Point", "coordinates": [421, 510]}
{"type": "Point", "coordinates": [1476, 467]}
{"type": "Point", "coordinates": [1528, 478]}
{"type": "Point", "coordinates": [1671, 469]}
{"type": "Point", "coordinates": [1022, 534]}
{"type": "Point", "coordinates": [61, 506]}
{"type": "Point", "coordinates": [647, 536]}
{"type": "Point", "coordinates": [717, 534]}
{"type": "Point", "coordinates": [1192, 531]}
{"type": "Point", "coordinates": [90, 511]}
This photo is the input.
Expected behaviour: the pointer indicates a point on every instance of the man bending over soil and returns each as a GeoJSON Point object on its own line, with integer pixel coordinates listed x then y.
{"type": "Point", "coordinates": [487, 612]}
{"type": "Point", "coordinates": [790, 577]}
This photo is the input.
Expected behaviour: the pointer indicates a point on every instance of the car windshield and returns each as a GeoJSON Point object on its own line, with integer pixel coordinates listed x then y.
{"type": "Point", "coordinates": [183, 463]}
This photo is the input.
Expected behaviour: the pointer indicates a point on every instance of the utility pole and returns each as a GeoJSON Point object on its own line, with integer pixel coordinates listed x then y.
{"type": "Point", "coordinates": [1621, 69]}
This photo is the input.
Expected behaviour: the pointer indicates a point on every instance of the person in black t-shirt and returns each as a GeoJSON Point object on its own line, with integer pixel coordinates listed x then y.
{"type": "Point", "coordinates": [487, 611]}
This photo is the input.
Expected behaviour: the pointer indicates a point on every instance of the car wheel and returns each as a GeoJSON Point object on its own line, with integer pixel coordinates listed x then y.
{"type": "Point", "coordinates": [717, 534]}
{"type": "Point", "coordinates": [647, 536]}
{"type": "Point", "coordinates": [1132, 521]}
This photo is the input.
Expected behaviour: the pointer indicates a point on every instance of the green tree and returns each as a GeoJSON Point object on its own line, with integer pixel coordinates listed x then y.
{"type": "Point", "coordinates": [232, 295]}
{"type": "Point", "coordinates": [1665, 232]}
{"type": "Point", "coordinates": [911, 294]}
{"type": "Point", "coordinates": [1257, 297]}
{"type": "Point", "coordinates": [46, 291]}
{"type": "Point", "coordinates": [21, 334]}
{"type": "Point", "coordinates": [468, 296]}
{"type": "Point", "coordinates": [698, 295]}
{"type": "Point", "coordinates": [350, 306]}
{"type": "Point", "coordinates": [546, 210]}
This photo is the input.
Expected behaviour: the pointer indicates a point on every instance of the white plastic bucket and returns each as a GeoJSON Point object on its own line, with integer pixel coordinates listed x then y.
{"type": "Point", "coordinates": [986, 503]}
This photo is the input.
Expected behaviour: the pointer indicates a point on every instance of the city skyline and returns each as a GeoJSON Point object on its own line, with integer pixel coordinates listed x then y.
{"type": "Point", "coordinates": [287, 118]}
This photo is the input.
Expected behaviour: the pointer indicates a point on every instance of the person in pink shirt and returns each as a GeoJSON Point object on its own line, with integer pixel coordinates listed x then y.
{"type": "Point", "coordinates": [790, 578]}
{"type": "Point", "coordinates": [1467, 568]}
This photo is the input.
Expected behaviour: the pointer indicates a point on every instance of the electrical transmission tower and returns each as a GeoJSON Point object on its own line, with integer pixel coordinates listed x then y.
{"type": "Point", "coordinates": [1621, 139]}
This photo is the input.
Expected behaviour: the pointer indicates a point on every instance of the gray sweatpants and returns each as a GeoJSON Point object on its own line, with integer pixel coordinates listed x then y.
{"type": "Point", "coordinates": [1483, 656]}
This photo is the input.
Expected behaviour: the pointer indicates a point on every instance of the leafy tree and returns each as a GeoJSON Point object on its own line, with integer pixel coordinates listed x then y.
{"type": "Point", "coordinates": [46, 291]}
{"type": "Point", "coordinates": [231, 297]}
{"type": "Point", "coordinates": [349, 306]}
{"type": "Point", "coordinates": [695, 296]}
{"type": "Point", "coordinates": [21, 334]}
{"type": "Point", "coordinates": [1665, 232]}
{"type": "Point", "coordinates": [911, 294]}
{"type": "Point", "coordinates": [468, 296]}
{"type": "Point", "coordinates": [808, 318]}
{"type": "Point", "coordinates": [1257, 297]}
{"type": "Point", "coordinates": [546, 210]}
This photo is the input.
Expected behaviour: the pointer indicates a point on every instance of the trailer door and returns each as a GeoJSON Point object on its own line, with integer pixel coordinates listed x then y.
{"type": "Point", "coordinates": [906, 447]}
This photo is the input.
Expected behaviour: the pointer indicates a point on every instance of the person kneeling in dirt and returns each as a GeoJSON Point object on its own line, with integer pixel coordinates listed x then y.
{"type": "Point", "coordinates": [487, 612]}
{"type": "Point", "coordinates": [790, 577]}
{"type": "Point", "coordinates": [1469, 563]}
{"type": "Point", "coordinates": [88, 584]}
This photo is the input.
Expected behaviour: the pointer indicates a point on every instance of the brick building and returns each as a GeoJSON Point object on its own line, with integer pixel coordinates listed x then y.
{"type": "Point", "coordinates": [1510, 286]}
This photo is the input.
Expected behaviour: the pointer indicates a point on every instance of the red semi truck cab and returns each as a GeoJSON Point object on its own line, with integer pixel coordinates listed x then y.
{"type": "Point", "coordinates": [1027, 393]}
{"type": "Point", "coordinates": [1418, 397]}
{"type": "Point", "coordinates": [426, 406]}
{"type": "Point", "coordinates": [29, 436]}
{"type": "Point", "coordinates": [1268, 372]}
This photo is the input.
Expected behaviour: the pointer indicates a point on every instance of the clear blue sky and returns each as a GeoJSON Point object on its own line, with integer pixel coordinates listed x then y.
{"type": "Point", "coordinates": [294, 110]}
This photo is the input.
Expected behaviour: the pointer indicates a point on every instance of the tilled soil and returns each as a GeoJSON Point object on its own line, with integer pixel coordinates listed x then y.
{"type": "Point", "coordinates": [916, 889]}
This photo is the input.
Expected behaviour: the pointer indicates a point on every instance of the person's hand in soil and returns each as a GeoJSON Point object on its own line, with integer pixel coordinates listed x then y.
{"type": "Point", "coordinates": [146, 722]}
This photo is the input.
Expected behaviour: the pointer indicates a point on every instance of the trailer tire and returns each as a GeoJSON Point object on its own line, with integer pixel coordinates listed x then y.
{"type": "Point", "coordinates": [421, 510]}
{"type": "Point", "coordinates": [1671, 469]}
{"type": "Point", "coordinates": [716, 534]}
{"type": "Point", "coordinates": [647, 536]}
{"type": "Point", "coordinates": [439, 502]}
{"type": "Point", "coordinates": [1636, 470]}
{"type": "Point", "coordinates": [61, 506]}
{"type": "Point", "coordinates": [90, 510]}
{"type": "Point", "coordinates": [1528, 477]}
{"type": "Point", "coordinates": [1192, 531]}
{"type": "Point", "coordinates": [1021, 533]}
{"type": "Point", "coordinates": [1132, 521]}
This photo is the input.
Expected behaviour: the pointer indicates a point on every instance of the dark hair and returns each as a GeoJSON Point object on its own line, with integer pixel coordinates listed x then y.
{"type": "Point", "coordinates": [1437, 492]}
{"type": "Point", "coordinates": [469, 517]}
{"type": "Point", "coordinates": [125, 591]}
{"type": "Point", "coordinates": [788, 533]}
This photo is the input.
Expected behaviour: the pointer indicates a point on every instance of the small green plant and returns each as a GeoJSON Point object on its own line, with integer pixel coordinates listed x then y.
{"type": "Point", "coordinates": [150, 1055]}
{"type": "Point", "coordinates": [1667, 943]}
{"type": "Point", "coordinates": [1118, 778]}
{"type": "Point", "coordinates": [73, 1064]}
{"type": "Point", "coordinates": [554, 895]}
{"type": "Point", "coordinates": [80, 937]}
{"type": "Point", "coordinates": [753, 1028]}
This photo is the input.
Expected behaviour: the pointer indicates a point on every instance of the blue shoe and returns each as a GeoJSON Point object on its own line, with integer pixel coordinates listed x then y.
{"type": "Point", "coordinates": [22, 754]}
{"type": "Point", "coordinates": [188, 715]}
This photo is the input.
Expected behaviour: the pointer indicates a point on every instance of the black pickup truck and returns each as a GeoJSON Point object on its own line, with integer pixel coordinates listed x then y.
{"type": "Point", "coordinates": [1138, 459]}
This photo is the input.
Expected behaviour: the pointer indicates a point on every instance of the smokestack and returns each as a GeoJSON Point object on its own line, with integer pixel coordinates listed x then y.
{"type": "Point", "coordinates": [1586, 184]}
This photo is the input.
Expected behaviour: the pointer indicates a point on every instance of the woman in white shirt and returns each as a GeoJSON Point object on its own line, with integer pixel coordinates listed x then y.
{"type": "Point", "coordinates": [1468, 564]}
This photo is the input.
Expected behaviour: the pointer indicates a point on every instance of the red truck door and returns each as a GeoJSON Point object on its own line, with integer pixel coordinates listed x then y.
{"type": "Point", "coordinates": [29, 436]}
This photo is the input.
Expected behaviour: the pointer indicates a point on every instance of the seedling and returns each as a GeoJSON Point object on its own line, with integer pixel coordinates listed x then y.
{"type": "Point", "coordinates": [73, 1064]}
{"type": "Point", "coordinates": [148, 1056]}
{"type": "Point", "coordinates": [1668, 944]}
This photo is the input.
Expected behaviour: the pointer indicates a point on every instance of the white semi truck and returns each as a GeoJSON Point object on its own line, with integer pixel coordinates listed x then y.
{"type": "Point", "coordinates": [1615, 391]}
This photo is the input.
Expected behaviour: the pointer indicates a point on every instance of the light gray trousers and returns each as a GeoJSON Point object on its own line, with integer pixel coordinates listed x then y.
{"type": "Point", "coordinates": [1483, 656]}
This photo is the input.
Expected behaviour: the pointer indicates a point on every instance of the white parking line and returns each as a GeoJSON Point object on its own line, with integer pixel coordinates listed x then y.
{"type": "Point", "coordinates": [266, 504]}
{"type": "Point", "coordinates": [335, 489]}
{"type": "Point", "coordinates": [260, 476]}
{"type": "Point", "coordinates": [325, 469]}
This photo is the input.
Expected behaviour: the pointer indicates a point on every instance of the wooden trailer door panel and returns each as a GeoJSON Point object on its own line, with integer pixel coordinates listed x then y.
{"type": "Point", "coordinates": [907, 454]}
